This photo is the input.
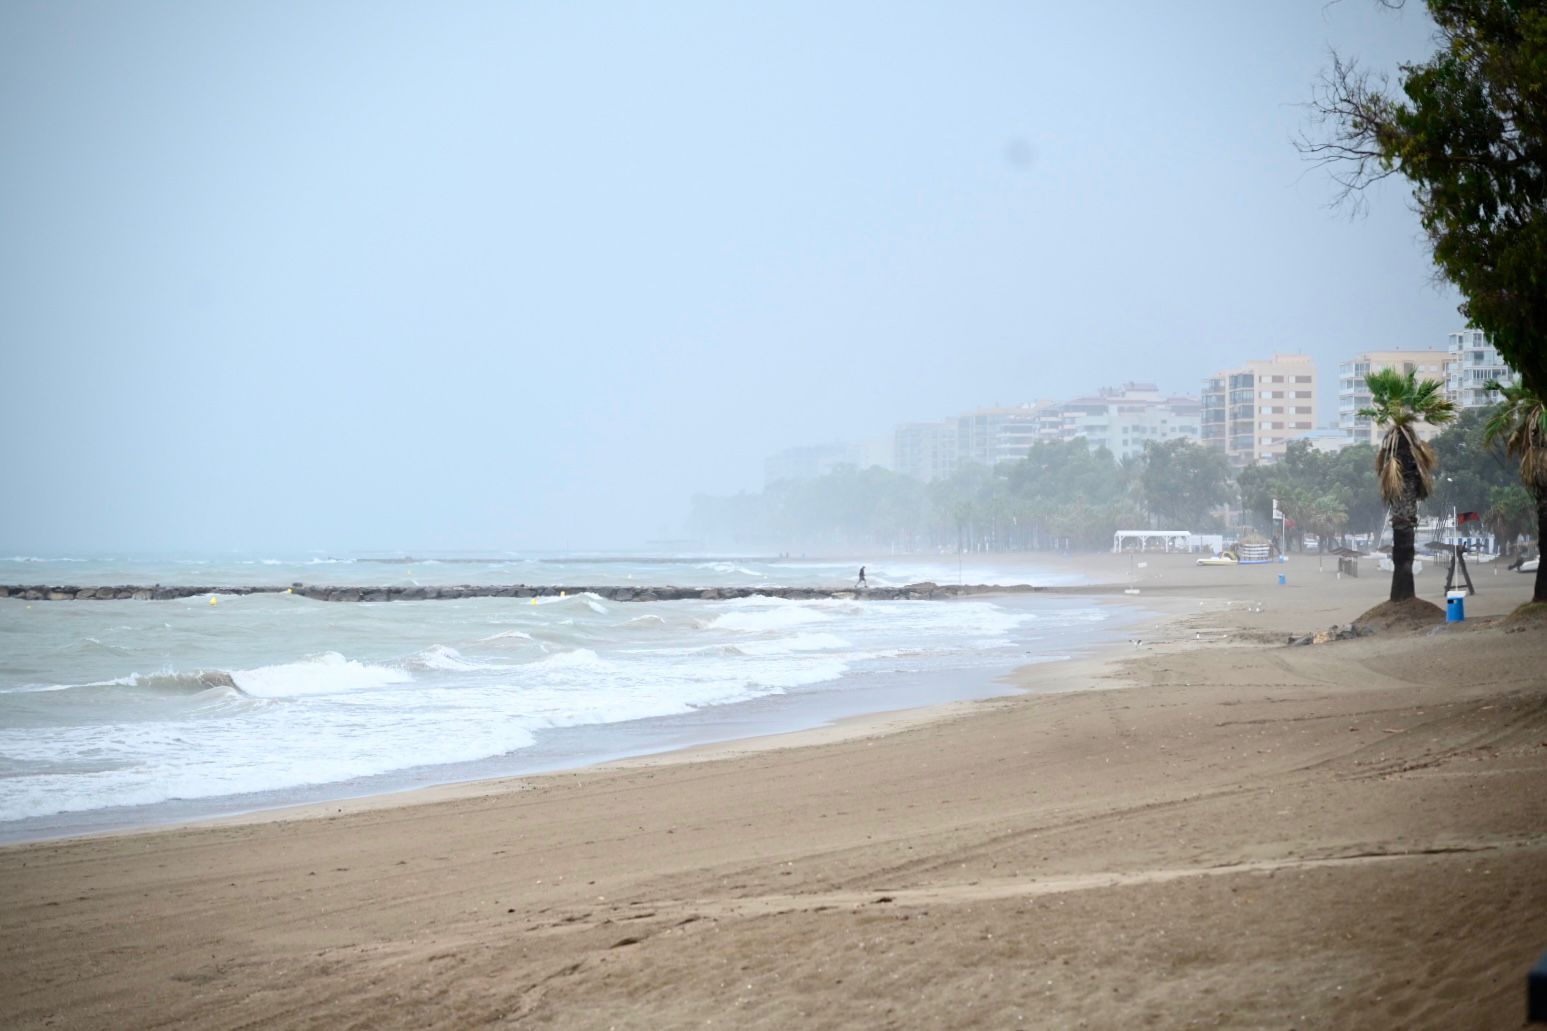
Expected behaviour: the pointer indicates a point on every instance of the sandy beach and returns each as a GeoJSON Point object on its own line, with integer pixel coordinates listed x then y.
{"type": "Point", "coordinates": [1197, 827]}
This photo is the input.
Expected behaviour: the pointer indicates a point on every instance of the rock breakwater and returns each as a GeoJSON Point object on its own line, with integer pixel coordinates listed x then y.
{"type": "Point", "coordinates": [318, 592]}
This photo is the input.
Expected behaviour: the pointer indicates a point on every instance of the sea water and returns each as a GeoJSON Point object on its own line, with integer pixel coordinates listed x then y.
{"type": "Point", "coordinates": [126, 713]}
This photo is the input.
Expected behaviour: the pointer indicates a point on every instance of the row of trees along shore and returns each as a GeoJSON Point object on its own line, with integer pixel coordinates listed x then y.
{"type": "Point", "coordinates": [1064, 494]}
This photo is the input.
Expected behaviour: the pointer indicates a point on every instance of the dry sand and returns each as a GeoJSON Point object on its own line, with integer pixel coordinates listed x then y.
{"type": "Point", "coordinates": [1228, 832]}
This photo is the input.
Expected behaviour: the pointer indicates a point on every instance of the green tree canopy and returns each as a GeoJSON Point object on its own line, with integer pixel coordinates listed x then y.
{"type": "Point", "coordinates": [1181, 481]}
{"type": "Point", "coordinates": [1511, 512]}
{"type": "Point", "coordinates": [1519, 422]}
{"type": "Point", "coordinates": [1311, 486]}
{"type": "Point", "coordinates": [1470, 134]}
{"type": "Point", "coordinates": [1470, 470]}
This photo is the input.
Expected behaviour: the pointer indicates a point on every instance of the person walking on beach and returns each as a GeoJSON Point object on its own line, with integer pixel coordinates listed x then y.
{"type": "Point", "coordinates": [861, 581]}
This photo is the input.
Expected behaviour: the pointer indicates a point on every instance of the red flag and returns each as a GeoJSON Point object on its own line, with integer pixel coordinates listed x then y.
{"type": "Point", "coordinates": [1468, 517]}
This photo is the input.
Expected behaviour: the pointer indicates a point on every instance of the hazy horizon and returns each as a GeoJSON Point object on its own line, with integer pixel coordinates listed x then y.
{"type": "Point", "coordinates": [355, 277]}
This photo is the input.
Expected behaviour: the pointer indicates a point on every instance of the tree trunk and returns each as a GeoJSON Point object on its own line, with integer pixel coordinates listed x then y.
{"type": "Point", "coordinates": [1539, 593]}
{"type": "Point", "coordinates": [1404, 521]}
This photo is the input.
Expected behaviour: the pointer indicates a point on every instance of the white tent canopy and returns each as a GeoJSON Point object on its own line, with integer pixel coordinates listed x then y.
{"type": "Point", "coordinates": [1151, 540]}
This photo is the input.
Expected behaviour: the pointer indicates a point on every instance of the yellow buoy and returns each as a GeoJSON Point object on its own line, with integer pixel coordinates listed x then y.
{"type": "Point", "coordinates": [214, 600]}
{"type": "Point", "coordinates": [563, 594]}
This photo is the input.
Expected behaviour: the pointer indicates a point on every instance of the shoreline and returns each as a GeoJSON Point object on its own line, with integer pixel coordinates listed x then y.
{"type": "Point", "coordinates": [1229, 832]}
{"type": "Point", "coordinates": [797, 718]}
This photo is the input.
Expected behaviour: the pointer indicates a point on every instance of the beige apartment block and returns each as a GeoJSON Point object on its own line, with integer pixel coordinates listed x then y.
{"type": "Point", "coordinates": [1252, 412]}
{"type": "Point", "coordinates": [1353, 394]}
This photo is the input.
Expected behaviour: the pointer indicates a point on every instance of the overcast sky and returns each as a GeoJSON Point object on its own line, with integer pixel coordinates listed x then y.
{"type": "Point", "coordinates": [278, 277]}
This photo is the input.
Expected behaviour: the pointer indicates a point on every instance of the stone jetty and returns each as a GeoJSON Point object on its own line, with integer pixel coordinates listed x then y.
{"type": "Point", "coordinates": [320, 592]}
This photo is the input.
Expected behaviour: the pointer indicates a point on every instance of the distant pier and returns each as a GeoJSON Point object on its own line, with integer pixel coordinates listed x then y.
{"type": "Point", "coordinates": [321, 592]}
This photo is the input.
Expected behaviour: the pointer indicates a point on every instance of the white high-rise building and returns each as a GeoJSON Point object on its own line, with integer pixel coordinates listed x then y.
{"type": "Point", "coordinates": [926, 450]}
{"type": "Point", "coordinates": [993, 435]}
{"type": "Point", "coordinates": [1125, 419]}
{"type": "Point", "coordinates": [1471, 362]}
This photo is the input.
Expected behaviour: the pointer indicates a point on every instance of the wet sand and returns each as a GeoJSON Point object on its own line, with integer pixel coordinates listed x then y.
{"type": "Point", "coordinates": [1199, 827]}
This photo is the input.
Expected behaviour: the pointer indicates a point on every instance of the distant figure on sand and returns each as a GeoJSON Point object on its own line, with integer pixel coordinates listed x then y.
{"type": "Point", "coordinates": [861, 581]}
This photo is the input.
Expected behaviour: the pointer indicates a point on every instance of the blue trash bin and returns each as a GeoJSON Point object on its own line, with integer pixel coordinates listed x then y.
{"type": "Point", "coordinates": [1455, 607]}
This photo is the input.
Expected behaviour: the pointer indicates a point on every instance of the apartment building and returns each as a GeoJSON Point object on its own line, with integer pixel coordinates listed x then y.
{"type": "Point", "coordinates": [804, 463]}
{"type": "Point", "coordinates": [926, 450]}
{"type": "Point", "coordinates": [1252, 412]}
{"type": "Point", "coordinates": [815, 460]}
{"type": "Point", "coordinates": [1471, 362]}
{"type": "Point", "coordinates": [993, 435]}
{"type": "Point", "coordinates": [1124, 419]}
{"type": "Point", "coordinates": [1353, 394]}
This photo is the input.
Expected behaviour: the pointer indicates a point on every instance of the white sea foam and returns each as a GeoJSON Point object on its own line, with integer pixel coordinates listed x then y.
{"type": "Point", "coordinates": [729, 568]}
{"type": "Point", "coordinates": [579, 657]}
{"type": "Point", "coordinates": [120, 705]}
{"type": "Point", "coordinates": [328, 673]}
{"type": "Point", "coordinates": [794, 644]}
{"type": "Point", "coordinates": [128, 765]}
{"type": "Point", "coordinates": [776, 617]}
{"type": "Point", "coordinates": [443, 657]}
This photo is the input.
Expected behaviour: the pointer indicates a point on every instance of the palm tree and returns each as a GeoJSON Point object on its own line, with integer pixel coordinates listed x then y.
{"type": "Point", "coordinates": [1520, 421]}
{"type": "Point", "coordinates": [1511, 512]}
{"type": "Point", "coordinates": [1326, 517]}
{"type": "Point", "coordinates": [1404, 462]}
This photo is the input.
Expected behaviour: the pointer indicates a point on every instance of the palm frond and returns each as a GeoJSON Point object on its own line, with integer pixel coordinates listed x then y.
{"type": "Point", "coordinates": [1520, 423]}
{"type": "Point", "coordinates": [1426, 459]}
{"type": "Point", "coordinates": [1388, 466]}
